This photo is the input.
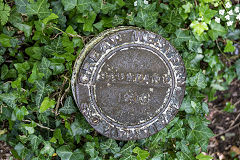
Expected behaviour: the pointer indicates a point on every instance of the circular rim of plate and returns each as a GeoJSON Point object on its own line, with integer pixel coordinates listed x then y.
{"type": "Point", "coordinates": [161, 121]}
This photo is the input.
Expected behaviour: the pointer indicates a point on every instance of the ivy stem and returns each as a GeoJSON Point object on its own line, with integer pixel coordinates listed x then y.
{"type": "Point", "coordinates": [223, 52]}
{"type": "Point", "coordinates": [59, 96]}
{"type": "Point", "coordinates": [196, 3]}
{"type": "Point", "coordinates": [39, 125]}
{"type": "Point", "coordinates": [68, 34]}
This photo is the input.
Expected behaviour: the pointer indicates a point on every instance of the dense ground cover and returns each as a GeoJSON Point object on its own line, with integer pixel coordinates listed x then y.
{"type": "Point", "coordinates": [40, 40]}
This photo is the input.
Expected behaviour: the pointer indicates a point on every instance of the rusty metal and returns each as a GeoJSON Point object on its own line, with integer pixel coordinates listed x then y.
{"type": "Point", "coordinates": [128, 83]}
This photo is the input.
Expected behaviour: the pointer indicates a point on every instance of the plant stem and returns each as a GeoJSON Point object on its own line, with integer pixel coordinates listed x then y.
{"type": "Point", "coordinates": [39, 125]}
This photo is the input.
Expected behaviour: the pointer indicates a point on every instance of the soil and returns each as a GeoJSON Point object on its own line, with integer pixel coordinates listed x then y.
{"type": "Point", "coordinates": [5, 151]}
{"type": "Point", "coordinates": [225, 146]}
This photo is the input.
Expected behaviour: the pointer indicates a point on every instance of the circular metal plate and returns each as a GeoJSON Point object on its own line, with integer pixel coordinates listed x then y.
{"type": "Point", "coordinates": [128, 83]}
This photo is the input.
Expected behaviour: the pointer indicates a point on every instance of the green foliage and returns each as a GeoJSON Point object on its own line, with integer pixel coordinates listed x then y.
{"type": "Point", "coordinates": [238, 68]}
{"type": "Point", "coordinates": [68, 107]}
{"type": "Point", "coordinates": [206, 13]}
{"type": "Point", "coordinates": [199, 27]}
{"type": "Point", "coordinates": [229, 46]}
{"type": "Point", "coordinates": [39, 42]}
{"type": "Point", "coordinates": [201, 156]}
{"type": "Point", "coordinates": [4, 12]}
{"type": "Point", "coordinates": [216, 30]}
{"type": "Point", "coordinates": [66, 153]}
{"type": "Point", "coordinates": [47, 103]}
{"type": "Point", "coordinates": [39, 8]}
{"type": "Point", "coordinates": [20, 113]}
{"type": "Point", "coordinates": [229, 107]}
{"type": "Point", "coordinates": [141, 154]}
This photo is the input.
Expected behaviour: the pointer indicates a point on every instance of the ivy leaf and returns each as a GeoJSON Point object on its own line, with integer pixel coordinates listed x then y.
{"type": "Point", "coordinates": [4, 12]}
{"type": "Point", "coordinates": [52, 16]}
{"type": "Point", "coordinates": [70, 30]}
{"type": "Point", "coordinates": [39, 8]}
{"type": "Point", "coordinates": [202, 156]}
{"type": "Point", "coordinates": [207, 13]}
{"type": "Point", "coordinates": [84, 5]}
{"type": "Point", "coordinates": [103, 7]}
{"type": "Point", "coordinates": [88, 22]}
{"type": "Point", "coordinates": [129, 157]}
{"type": "Point", "coordinates": [25, 28]}
{"type": "Point", "coordinates": [181, 36]}
{"type": "Point", "coordinates": [141, 154]}
{"type": "Point", "coordinates": [4, 71]}
{"type": "Point", "coordinates": [229, 75]}
{"type": "Point", "coordinates": [30, 127]}
{"type": "Point", "coordinates": [146, 19]}
{"type": "Point", "coordinates": [213, 60]}
{"type": "Point", "coordinates": [185, 151]}
{"type": "Point", "coordinates": [160, 156]}
{"type": "Point", "coordinates": [216, 30]}
{"type": "Point", "coordinates": [47, 149]}
{"type": "Point", "coordinates": [69, 4]}
{"type": "Point", "coordinates": [34, 52]}
{"type": "Point", "coordinates": [68, 107]}
{"type": "Point", "coordinates": [195, 45]}
{"type": "Point", "coordinates": [205, 108]}
{"type": "Point", "coordinates": [17, 82]}
{"type": "Point", "coordinates": [55, 47]}
{"type": "Point", "coordinates": [90, 149]}
{"type": "Point", "coordinates": [156, 139]}
{"type": "Point", "coordinates": [20, 112]}
{"type": "Point", "coordinates": [172, 18]}
{"type": "Point", "coordinates": [15, 17]}
{"type": "Point", "coordinates": [21, 6]}
{"type": "Point", "coordinates": [183, 156]}
{"type": "Point", "coordinates": [79, 128]}
{"type": "Point", "coordinates": [199, 131]}
{"type": "Point", "coordinates": [107, 7]}
{"type": "Point", "coordinates": [229, 46]}
{"type": "Point", "coordinates": [5, 40]}
{"type": "Point", "coordinates": [47, 103]}
{"type": "Point", "coordinates": [126, 150]}
{"type": "Point", "coordinates": [110, 145]}
{"type": "Point", "coordinates": [58, 10]}
{"type": "Point", "coordinates": [35, 75]}
{"type": "Point", "coordinates": [42, 90]}
{"type": "Point", "coordinates": [19, 148]}
{"type": "Point", "coordinates": [57, 68]}
{"type": "Point", "coordinates": [35, 141]}
{"type": "Point", "coordinates": [57, 135]}
{"type": "Point", "coordinates": [1, 60]}
{"type": "Point", "coordinates": [121, 3]}
{"type": "Point", "coordinates": [234, 35]}
{"type": "Point", "coordinates": [44, 67]}
{"type": "Point", "coordinates": [68, 44]}
{"type": "Point", "coordinates": [198, 80]}
{"type": "Point", "coordinates": [177, 131]}
{"type": "Point", "coordinates": [22, 68]}
{"type": "Point", "coordinates": [187, 7]}
{"type": "Point", "coordinates": [199, 27]}
{"type": "Point", "coordinates": [41, 87]}
{"type": "Point", "coordinates": [237, 63]}
{"type": "Point", "coordinates": [9, 98]}
{"type": "Point", "coordinates": [66, 154]}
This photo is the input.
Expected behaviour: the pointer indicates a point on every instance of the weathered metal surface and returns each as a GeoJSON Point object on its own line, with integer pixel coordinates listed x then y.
{"type": "Point", "coordinates": [128, 83]}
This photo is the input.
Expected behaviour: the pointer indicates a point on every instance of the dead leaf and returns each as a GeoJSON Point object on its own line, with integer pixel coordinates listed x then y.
{"type": "Point", "coordinates": [235, 149]}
